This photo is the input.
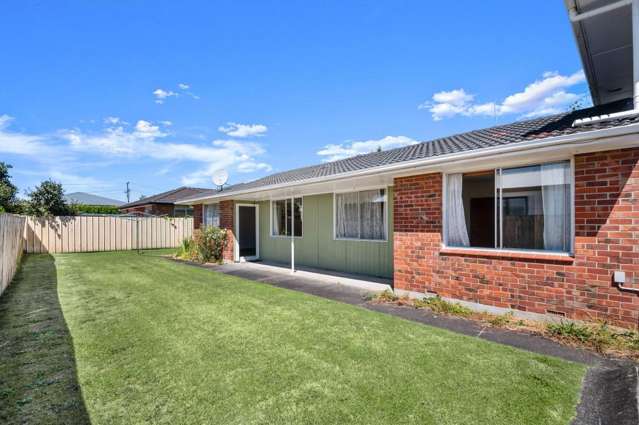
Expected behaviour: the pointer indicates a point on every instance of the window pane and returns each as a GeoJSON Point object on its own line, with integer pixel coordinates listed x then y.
{"type": "Point", "coordinates": [478, 198]}
{"type": "Point", "coordinates": [371, 211]}
{"type": "Point", "coordinates": [212, 215]}
{"type": "Point", "coordinates": [288, 217]}
{"type": "Point", "coordinates": [279, 218]}
{"type": "Point", "coordinates": [522, 209]}
{"type": "Point", "coordinates": [556, 197]}
{"type": "Point", "coordinates": [298, 217]}
{"type": "Point", "coordinates": [347, 217]}
{"type": "Point", "coordinates": [536, 207]}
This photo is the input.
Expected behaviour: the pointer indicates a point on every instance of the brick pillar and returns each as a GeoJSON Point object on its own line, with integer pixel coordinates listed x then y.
{"type": "Point", "coordinates": [197, 216]}
{"type": "Point", "coordinates": [417, 225]}
{"type": "Point", "coordinates": [227, 221]}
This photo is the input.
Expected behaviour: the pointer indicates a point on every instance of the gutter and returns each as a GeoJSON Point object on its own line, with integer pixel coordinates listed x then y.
{"type": "Point", "coordinates": [530, 145]}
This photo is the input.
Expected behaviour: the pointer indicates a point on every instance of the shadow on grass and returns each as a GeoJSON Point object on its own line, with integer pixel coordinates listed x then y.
{"type": "Point", "coordinates": [38, 377]}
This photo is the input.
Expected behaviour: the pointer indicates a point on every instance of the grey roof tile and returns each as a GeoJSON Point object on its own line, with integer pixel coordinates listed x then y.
{"type": "Point", "coordinates": [520, 131]}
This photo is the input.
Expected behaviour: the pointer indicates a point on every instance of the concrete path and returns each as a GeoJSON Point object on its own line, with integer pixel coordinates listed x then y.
{"type": "Point", "coordinates": [611, 387]}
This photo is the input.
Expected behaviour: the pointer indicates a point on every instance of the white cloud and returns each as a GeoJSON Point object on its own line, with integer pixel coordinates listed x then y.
{"type": "Point", "coordinates": [243, 130]}
{"type": "Point", "coordinates": [161, 95]}
{"type": "Point", "coordinates": [542, 97]}
{"type": "Point", "coordinates": [166, 123]}
{"type": "Point", "coordinates": [112, 120]}
{"type": "Point", "coordinates": [184, 86]}
{"type": "Point", "coordinates": [333, 152]}
{"type": "Point", "coordinates": [251, 167]}
{"type": "Point", "coordinates": [20, 143]}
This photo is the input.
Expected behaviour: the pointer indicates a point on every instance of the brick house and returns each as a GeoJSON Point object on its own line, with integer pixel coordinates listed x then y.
{"type": "Point", "coordinates": [164, 203]}
{"type": "Point", "coordinates": [538, 217]}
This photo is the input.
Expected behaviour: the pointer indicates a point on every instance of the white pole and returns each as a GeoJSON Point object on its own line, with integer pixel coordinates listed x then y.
{"type": "Point", "coordinates": [635, 52]}
{"type": "Point", "coordinates": [293, 235]}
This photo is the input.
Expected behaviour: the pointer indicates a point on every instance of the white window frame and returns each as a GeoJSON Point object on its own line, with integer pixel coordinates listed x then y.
{"type": "Point", "coordinates": [363, 189]}
{"type": "Point", "coordinates": [571, 252]}
{"type": "Point", "coordinates": [204, 206]}
{"type": "Point", "coordinates": [286, 221]}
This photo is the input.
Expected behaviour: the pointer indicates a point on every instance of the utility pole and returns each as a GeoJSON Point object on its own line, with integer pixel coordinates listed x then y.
{"type": "Point", "coordinates": [128, 193]}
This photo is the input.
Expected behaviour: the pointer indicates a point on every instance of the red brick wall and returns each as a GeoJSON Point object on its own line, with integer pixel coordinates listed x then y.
{"type": "Point", "coordinates": [197, 216]}
{"type": "Point", "coordinates": [227, 221]}
{"type": "Point", "coordinates": [607, 239]}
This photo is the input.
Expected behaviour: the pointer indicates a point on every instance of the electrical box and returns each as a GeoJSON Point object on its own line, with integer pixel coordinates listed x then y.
{"type": "Point", "coordinates": [619, 277]}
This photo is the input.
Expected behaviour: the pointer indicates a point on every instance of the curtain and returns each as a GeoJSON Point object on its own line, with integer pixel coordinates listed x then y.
{"type": "Point", "coordinates": [347, 215]}
{"type": "Point", "coordinates": [555, 192]}
{"type": "Point", "coordinates": [212, 215]}
{"type": "Point", "coordinates": [455, 218]}
{"type": "Point", "coordinates": [279, 213]}
{"type": "Point", "coordinates": [371, 211]}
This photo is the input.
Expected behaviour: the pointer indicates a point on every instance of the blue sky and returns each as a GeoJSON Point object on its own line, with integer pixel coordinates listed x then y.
{"type": "Point", "coordinates": [95, 94]}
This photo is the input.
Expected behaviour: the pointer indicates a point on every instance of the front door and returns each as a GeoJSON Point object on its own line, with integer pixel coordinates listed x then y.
{"type": "Point", "coordinates": [247, 232]}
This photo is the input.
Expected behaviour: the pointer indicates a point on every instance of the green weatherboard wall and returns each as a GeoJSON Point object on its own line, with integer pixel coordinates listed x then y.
{"type": "Point", "coordinates": [317, 248]}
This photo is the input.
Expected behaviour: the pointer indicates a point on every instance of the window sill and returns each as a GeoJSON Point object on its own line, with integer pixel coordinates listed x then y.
{"type": "Point", "coordinates": [285, 237]}
{"type": "Point", "coordinates": [360, 240]}
{"type": "Point", "coordinates": [505, 254]}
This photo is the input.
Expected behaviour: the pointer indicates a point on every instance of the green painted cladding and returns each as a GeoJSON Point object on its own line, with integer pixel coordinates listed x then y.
{"type": "Point", "coordinates": [317, 248]}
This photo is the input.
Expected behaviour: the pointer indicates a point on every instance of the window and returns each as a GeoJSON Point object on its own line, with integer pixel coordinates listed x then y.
{"type": "Point", "coordinates": [211, 215]}
{"type": "Point", "coordinates": [512, 208]}
{"type": "Point", "coordinates": [281, 213]}
{"type": "Point", "coordinates": [361, 215]}
{"type": "Point", "coordinates": [183, 211]}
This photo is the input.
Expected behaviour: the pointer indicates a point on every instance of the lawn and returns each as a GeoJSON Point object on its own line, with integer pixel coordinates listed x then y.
{"type": "Point", "coordinates": [122, 338]}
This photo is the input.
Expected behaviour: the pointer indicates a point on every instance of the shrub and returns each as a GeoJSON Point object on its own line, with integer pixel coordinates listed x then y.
{"type": "Point", "coordinates": [205, 246]}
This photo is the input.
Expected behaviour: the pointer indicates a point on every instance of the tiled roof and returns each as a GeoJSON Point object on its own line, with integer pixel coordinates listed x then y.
{"type": "Point", "coordinates": [84, 198]}
{"type": "Point", "coordinates": [169, 197]}
{"type": "Point", "coordinates": [521, 131]}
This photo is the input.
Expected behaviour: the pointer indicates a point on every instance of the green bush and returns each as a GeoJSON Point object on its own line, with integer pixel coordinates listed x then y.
{"type": "Point", "coordinates": [206, 245]}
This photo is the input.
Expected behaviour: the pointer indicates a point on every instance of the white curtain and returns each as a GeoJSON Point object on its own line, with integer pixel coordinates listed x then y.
{"type": "Point", "coordinates": [347, 215]}
{"type": "Point", "coordinates": [212, 215]}
{"type": "Point", "coordinates": [371, 211]}
{"type": "Point", "coordinates": [279, 218]}
{"type": "Point", "coordinates": [555, 192]}
{"type": "Point", "coordinates": [455, 218]}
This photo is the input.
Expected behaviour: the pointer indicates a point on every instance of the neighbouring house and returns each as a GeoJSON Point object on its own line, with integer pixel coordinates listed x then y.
{"type": "Point", "coordinates": [164, 203]}
{"type": "Point", "coordinates": [539, 216]}
{"type": "Point", "coordinates": [83, 198]}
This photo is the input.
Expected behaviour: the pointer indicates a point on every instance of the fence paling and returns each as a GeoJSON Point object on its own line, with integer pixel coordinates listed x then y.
{"type": "Point", "coordinates": [100, 233]}
{"type": "Point", "coordinates": [12, 237]}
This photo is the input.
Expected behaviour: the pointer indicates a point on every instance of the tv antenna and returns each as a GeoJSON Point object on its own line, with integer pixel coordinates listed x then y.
{"type": "Point", "coordinates": [220, 177]}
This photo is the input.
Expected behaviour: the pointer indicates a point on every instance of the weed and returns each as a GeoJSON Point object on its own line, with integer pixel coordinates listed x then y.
{"type": "Point", "coordinates": [501, 320]}
{"type": "Point", "coordinates": [438, 305]}
{"type": "Point", "coordinates": [386, 297]}
{"type": "Point", "coordinates": [569, 330]}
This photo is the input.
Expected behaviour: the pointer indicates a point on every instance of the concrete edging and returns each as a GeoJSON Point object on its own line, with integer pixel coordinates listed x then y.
{"type": "Point", "coordinates": [483, 308]}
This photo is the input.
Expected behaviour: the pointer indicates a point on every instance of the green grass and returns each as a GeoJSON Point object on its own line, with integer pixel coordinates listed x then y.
{"type": "Point", "coordinates": [122, 338]}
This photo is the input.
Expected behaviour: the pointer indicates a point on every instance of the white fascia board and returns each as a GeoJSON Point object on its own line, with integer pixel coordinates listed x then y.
{"type": "Point", "coordinates": [595, 139]}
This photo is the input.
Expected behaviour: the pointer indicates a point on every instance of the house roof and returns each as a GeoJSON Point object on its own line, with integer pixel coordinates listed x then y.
{"type": "Point", "coordinates": [521, 131]}
{"type": "Point", "coordinates": [84, 198]}
{"type": "Point", "coordinates": [168, 197]}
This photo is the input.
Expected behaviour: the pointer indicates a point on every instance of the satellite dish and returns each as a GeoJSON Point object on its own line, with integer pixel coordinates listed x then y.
{"type": "Point", "coordinates": [220, 177]}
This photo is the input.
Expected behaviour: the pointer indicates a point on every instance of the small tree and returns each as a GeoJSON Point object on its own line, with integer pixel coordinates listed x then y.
{"type": "Point", "coordinates": [8, 190]}
{"type": "Point", "coordinates": [48, 199]}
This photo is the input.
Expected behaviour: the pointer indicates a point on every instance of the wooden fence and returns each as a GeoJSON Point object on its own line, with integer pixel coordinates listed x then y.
{"type": "Point", "coordinates": [104, 233]}
{"type": "Point", "coordinates": [11, 247]}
